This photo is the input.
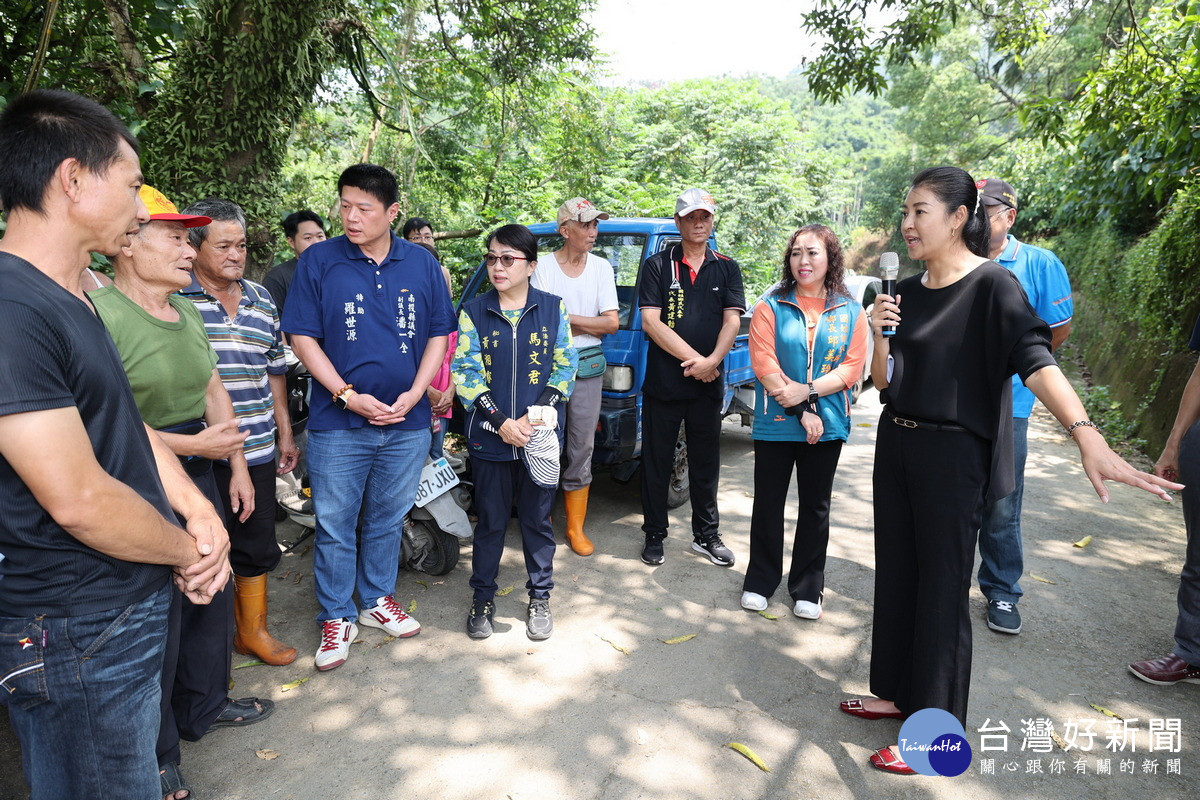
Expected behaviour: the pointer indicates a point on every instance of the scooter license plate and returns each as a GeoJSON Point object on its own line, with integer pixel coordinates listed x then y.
{"type": "Point", "coordinates": [437, 478]}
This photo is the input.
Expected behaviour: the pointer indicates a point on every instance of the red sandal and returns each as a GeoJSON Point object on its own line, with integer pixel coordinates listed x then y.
{"type": "Point", "coordinates": [888, 761]}
{"type": "Point", "coordinates": [855, 709]}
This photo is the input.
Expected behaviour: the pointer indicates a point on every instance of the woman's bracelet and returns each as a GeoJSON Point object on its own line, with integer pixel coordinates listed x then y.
{"type": "Point", "coordinates": [1083, 423]}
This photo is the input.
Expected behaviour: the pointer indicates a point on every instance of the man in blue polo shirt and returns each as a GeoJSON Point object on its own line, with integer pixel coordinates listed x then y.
{"type": "Point", "coordinates": [1044, 279]}
{"type": "Point", "coordinates": [369, 315]}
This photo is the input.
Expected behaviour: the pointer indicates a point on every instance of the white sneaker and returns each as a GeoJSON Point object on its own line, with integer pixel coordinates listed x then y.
{"type": "Point", "coordinates": [807, 610]}
{"type": "Point", "coordinates": [336, 638]}
{"type": "Point", "coordinates": [753, 602]}
{"type": "Point", "coordinates": [387, 615]}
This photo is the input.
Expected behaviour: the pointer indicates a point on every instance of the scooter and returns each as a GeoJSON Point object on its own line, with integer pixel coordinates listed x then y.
{"type": "Point", "coordinates": [293, 499]}
{"type": "Point", "coordinates": [437, 524]}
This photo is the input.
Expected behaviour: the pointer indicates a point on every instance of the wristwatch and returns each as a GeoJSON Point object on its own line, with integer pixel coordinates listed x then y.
{"type": "Point", "coordinates": [341, 398]}
{"type": "Point", "coordinates": [813, 397]}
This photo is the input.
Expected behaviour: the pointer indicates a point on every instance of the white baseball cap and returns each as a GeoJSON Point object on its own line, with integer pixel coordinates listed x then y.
{"type": "Point", "coordinates": [694, 200]}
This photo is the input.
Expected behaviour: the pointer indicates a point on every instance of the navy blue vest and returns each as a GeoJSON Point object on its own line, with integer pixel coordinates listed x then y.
{"type": "Point", "coordinates": [518, 360]}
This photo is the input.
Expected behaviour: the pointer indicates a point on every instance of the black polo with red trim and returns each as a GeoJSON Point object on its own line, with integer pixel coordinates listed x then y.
{"type": "Point", "coordinates": [694, 309]}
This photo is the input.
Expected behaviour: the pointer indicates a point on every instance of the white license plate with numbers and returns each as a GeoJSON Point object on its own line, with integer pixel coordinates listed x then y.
{"type": "Point", "coordinates": [437, 478]}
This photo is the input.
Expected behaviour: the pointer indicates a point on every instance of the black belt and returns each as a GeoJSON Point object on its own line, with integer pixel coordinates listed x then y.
{"type": "Point", "coordinates": [924, 425]}
{"type": "Point", "coordinates": [194, 466]}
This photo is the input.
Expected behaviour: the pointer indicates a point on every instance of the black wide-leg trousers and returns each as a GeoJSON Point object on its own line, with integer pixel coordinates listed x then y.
{"type": "Point", "coordinates": [929, 490]}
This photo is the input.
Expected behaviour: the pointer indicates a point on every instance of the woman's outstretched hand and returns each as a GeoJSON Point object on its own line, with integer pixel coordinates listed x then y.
{"type": "Point", "coordinates": [1102, 464]}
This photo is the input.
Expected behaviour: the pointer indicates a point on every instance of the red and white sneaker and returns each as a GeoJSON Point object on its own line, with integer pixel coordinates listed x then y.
{"type": "Point", "coordinates": [387, 615]}
{"type": "Point", "coordinates": [336, 637]}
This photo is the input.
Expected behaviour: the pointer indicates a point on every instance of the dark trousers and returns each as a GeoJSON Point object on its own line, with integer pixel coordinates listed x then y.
{"type": "Point", "coordinates": [814, 465]}
{"type": "Point", "coordinates": [497, 483]}
{"type": "Point", "coordinates": [253, 549]}
{"type": "Point", "coordinates": [196, 668]}
{"type": "Point", "coordinates": [929, 489]}
{"type": "Point", "coordinates": [701, 418]}
{"type": "Point", "coordinates": [1187, 626]}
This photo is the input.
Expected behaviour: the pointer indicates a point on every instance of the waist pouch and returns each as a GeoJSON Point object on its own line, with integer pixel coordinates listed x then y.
{"type": "Point", "coordinates": [591, 362]}
{"type": "Point", "coordinates": [193, 465]}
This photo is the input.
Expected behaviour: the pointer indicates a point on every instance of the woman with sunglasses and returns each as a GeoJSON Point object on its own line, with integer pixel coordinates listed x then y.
{"type": "Point", "coordinates": [946, 347]}
{"type": "Point", "coordinates": [513, 366]}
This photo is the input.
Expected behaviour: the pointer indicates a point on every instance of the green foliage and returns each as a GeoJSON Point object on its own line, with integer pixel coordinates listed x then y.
{"type": "Point", "coordinates": [222, 130]}
{"type": "Point", "coordinates": [1119, 427]}
{"type": "Point", "coordinates": [1151, 283]}
{"type": "Point", "coordinates": [1133, 130]}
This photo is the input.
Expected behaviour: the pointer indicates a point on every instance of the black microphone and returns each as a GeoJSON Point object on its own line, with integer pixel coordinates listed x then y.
{"type": "Point", "coordinates": [889, 267]}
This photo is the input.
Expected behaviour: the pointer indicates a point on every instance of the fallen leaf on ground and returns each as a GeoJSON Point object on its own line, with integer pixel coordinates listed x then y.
{"type": "Point", "coordinates": [412, 606]}
{"type": "Point", "coordinates": [768, 616]}
{"type": "Point", "coordinates": [679, 639]}
{"type": "Point", "coordinates": [1040, 578]}
{"type": "Point", "coordinates": [749, 754]}
{"type": "Point", "coordinates": [1105, 711]}
{"type": "Point", "coordinates": [1085, 541]}
{"type": "Point", "coordinates": [616, 646]}
{"type": "Point", "coordinates": [1058, 740]}
{"type": "Point", "coordinates": [506, 590]}
{"type": "Point", "coordinates": [423, 583]}
{"type": "Point", "coordinates": [287, 687]}
{"type": "Point", "coordinates": [254, 662]}
{"type": "Point", "coordinates": [266, 755]}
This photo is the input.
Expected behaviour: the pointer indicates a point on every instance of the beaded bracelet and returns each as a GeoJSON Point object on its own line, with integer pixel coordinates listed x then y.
{"type": "Point", "coordinates": [1083, 423]}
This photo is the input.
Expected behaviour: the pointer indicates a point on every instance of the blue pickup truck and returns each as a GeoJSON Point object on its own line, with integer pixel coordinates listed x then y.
{"type": "Point", "coordinates": [626, 243]}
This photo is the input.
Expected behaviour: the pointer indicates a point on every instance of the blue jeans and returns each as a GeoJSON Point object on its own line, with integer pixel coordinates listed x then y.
{"type": "Point", "coordinates": [1187, 626]}
{"type": "Point", "coordinates": [437, 439]}
{"type": "Point", "coordinates": [82, 693]}
{"type": "Point", "coordinates": [370, 470]}
{"type": "Point", "coordinates": [1001, 558]}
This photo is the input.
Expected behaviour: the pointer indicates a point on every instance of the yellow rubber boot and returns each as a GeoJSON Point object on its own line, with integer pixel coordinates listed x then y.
{"type": "Point", "coordinates": [576, 502]}
{"type": "Point", "coordinates": [250, 613]}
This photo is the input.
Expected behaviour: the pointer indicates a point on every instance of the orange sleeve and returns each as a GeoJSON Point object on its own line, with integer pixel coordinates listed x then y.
{"type": "Point", "coordinates": [856, 355]}
{"type": "Point", "coordinates": [762, 342]}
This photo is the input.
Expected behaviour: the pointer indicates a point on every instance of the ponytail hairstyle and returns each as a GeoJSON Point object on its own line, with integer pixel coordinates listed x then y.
{"type": "Point", "coordinates": [955, 187]}
{"type": "Point", "coordinates": [835, 274]}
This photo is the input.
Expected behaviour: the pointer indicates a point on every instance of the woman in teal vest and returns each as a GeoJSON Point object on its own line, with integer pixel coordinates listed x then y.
{"type": "Point", "coordinates": [808, 342]}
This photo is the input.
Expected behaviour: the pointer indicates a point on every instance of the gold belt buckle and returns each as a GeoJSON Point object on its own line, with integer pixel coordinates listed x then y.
{"type": "Point", "coordinates": [903, 423]}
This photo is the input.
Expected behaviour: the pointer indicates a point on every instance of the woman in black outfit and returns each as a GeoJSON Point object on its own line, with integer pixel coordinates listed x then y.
{"type": "Point", "coordinates": [944, 380]}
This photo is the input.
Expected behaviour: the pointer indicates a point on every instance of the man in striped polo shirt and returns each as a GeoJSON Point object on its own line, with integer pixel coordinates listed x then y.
{"type": "Point", "coordinates": [243, 327]}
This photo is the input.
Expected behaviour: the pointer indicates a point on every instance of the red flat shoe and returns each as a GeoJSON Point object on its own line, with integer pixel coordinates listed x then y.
{"type": "Point", "coordinates": [888, 761]}
{"type": "Point", "coordinates": [855, 709]}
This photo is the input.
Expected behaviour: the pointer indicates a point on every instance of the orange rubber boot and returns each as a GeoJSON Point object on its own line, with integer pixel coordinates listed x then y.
{"type": "Point", "coordinates": [576, 502]}
{"type": "Point", "coordinates": [250, 613]}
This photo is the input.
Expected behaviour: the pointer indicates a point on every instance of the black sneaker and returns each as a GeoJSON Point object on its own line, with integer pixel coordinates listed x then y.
{"type": "Point", "coordinates": [715, 549]}
{"type": "Point", "coordinates": [1003, 616]}
{"type": "Point", "coordinates": [479, 621]}
{"type": "Point", "coordinates": [652, 551]}
{"type": "Point", "coordinates": [540, 623]}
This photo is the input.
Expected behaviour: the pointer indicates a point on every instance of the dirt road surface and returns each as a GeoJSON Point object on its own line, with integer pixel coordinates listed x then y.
{"type": "Point", "coordinates": [605, 710]}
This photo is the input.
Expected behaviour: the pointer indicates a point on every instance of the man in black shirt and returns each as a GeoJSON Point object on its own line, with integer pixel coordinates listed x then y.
{"type": "Point", "coordinates": [302, 228]}
{"type": "Point", "coordinates": [691, 301]}
{"type": "Point", "coordinates": [87, 533]}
